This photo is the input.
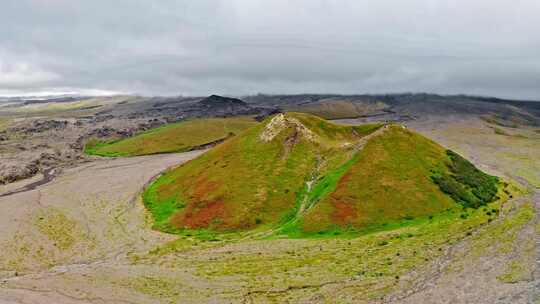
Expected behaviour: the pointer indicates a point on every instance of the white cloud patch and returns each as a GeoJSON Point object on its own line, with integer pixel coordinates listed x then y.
{"type": "Point", "coordinates": [238, 47]}
{"type": "Point", "coordinates": [21, 74]}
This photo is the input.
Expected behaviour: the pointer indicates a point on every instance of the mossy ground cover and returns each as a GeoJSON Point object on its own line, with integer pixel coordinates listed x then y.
{"type": "Point", "coordinates": [502, 235]}
{"type": "Point", "coordinates": [176, 137]}
{"type": "Point", "coordinates": [4, 123]}
{"type": "Point", "coordinates": [245, 183]}
{"type": "Point", "coordinates": [158, 287]}
{"type": "Point", "coordinates": [57, 227]}
{"type": "Point", "coordinates": [389, 181]}
{"type": "Point", "coordinates": [350, 268]}
{"type": "Point", "coordinates": [319, 185]}
{"type": "Point", "coordinates": [465, 183]}
{"type": "Point", "coordinates": [53, 238]}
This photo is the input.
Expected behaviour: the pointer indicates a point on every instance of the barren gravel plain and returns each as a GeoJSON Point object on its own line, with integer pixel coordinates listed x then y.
{"type": "Point", "coordinates": [85, 237]}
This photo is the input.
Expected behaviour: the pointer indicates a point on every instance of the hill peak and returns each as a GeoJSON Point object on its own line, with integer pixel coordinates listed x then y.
{"type": "Point", "coordinates": [281, 122]}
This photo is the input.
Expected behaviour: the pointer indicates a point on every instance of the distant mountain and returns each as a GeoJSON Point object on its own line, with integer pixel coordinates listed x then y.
{"type": "Point", "coordinates": [220, 101]}
{"type": "Point", "coordinates": [405, 107]}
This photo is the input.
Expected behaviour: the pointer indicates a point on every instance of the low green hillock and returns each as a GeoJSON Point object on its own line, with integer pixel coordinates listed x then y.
{"type": "Point", "coordinates": [176, 137]}
{"type": "Point", "coordinates": [300, 175]}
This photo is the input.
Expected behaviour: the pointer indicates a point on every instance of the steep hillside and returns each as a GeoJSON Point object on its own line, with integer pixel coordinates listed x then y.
{"type": "Point", "coordinates": [177, 137]}
{"type": "Point", "coordinates": [297, 174]}
{"type": "Point", "coordinates": [389, 180]}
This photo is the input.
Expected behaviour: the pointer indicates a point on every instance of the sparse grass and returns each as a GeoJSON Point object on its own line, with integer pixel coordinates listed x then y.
{"type": "Point", "coordinates": [514, 272]}
{"type": "Point", "coordinates": [54, 108]}
{"type": "Point", "coordinates": [369, 263]}
{"type": "Point", "coordinates": [502, 235]}
{"type": "Point", "coordinates": [531, 175]}
{"type": "Point", "coordinates": [519, 269]}
{"type": "Point", "coordinates": [177, 137]}
{"type": "Point", "coordinates": [4, 123]}
{"type": "Point", "coordinates": [53, 239]}
{"type": "Point", "coordinates": [499, 121]}
{"type": "Point", "coordinates": [500, 131]}
{"type": "Point", "coordinates": [57, 227]}
{"type": "Point", "coordinates": [157, 287]}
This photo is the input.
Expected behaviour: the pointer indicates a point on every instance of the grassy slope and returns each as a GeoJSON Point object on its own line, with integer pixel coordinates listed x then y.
{"type": "Point", "coordinates": [389, 180]}
{"type": "Point", "coordinates": [398, 176]}
{"type": "Point", "coordinates": [247, 183]}
{"type": "Point", "coordinates": [364, 267]}
{"type": "Point", "coordinates": [227, 185]}
{"type": "Point", "coordinates": [175, 137]}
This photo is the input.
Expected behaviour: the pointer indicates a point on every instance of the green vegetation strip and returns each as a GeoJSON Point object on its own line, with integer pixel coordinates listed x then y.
{"type": "Point", "coordinates": [505, 236]}
{"type": "Point", "coordinates": [370, 264]}
{"type": "Point", "coordinates": [248, 183]}
{"type": "Point", "coordinates": [465, 183]}
{"type": "Point", "coordinates": [176, 137]}
{"type": "Point", "coordinates": [291, 222]}
{"type": "Point", "coordinates": [306, 180]}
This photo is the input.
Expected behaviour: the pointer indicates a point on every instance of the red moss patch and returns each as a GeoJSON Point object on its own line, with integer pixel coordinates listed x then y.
{"type": "Point", "coordinates": [344, 213]}
{"type": "Point", "coordinates": [202, 189]}
{"type": "Point", "coordinates": [212, 214]}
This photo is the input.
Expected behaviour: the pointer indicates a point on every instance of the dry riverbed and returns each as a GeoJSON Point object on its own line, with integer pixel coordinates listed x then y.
{"type": "Point", "coordinates": [85, 237]}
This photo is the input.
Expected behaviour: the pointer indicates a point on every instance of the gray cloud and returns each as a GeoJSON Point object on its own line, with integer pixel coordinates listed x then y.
{"type": "Point", "coordinates": [487, 47]}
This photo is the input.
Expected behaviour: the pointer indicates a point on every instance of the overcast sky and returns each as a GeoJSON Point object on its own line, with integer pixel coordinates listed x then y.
{"type": "Point", "coordinates": [198, 47]}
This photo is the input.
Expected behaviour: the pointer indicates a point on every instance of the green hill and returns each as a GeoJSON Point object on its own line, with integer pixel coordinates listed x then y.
{"type": "Point", "coordinates": [299, 174]}
{"type": "Point", "coordinates": [176, 137]}
{"type": "Point", "coordinates": [339, 108]}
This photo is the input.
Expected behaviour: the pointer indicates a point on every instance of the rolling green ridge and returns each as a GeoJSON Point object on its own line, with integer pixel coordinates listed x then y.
{"type": "Point", "coordinates": [336, 108]}
{"type": "Point", "coordinates": [300, 175]}
{"type": "Point", "coordinates": [176, 137]}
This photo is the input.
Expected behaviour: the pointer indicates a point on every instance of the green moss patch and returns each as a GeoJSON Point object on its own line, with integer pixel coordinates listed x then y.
{"type": "Point", "coordinates": [388, 181]}
{"type": "Point", "coordinates": [61, 230]}
{"type": "Point", "coordinates": [176, 137]}
{"type": "Point", "coordinates": [465, 183]}
{"type": "Point", "coordinates": [248, 182]}
{"type": "Point", "coordinates": [301, 176]}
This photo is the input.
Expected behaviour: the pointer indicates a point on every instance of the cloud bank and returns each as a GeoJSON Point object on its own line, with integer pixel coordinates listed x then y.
{"type": "Point", "coordinates": [484, 47]}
